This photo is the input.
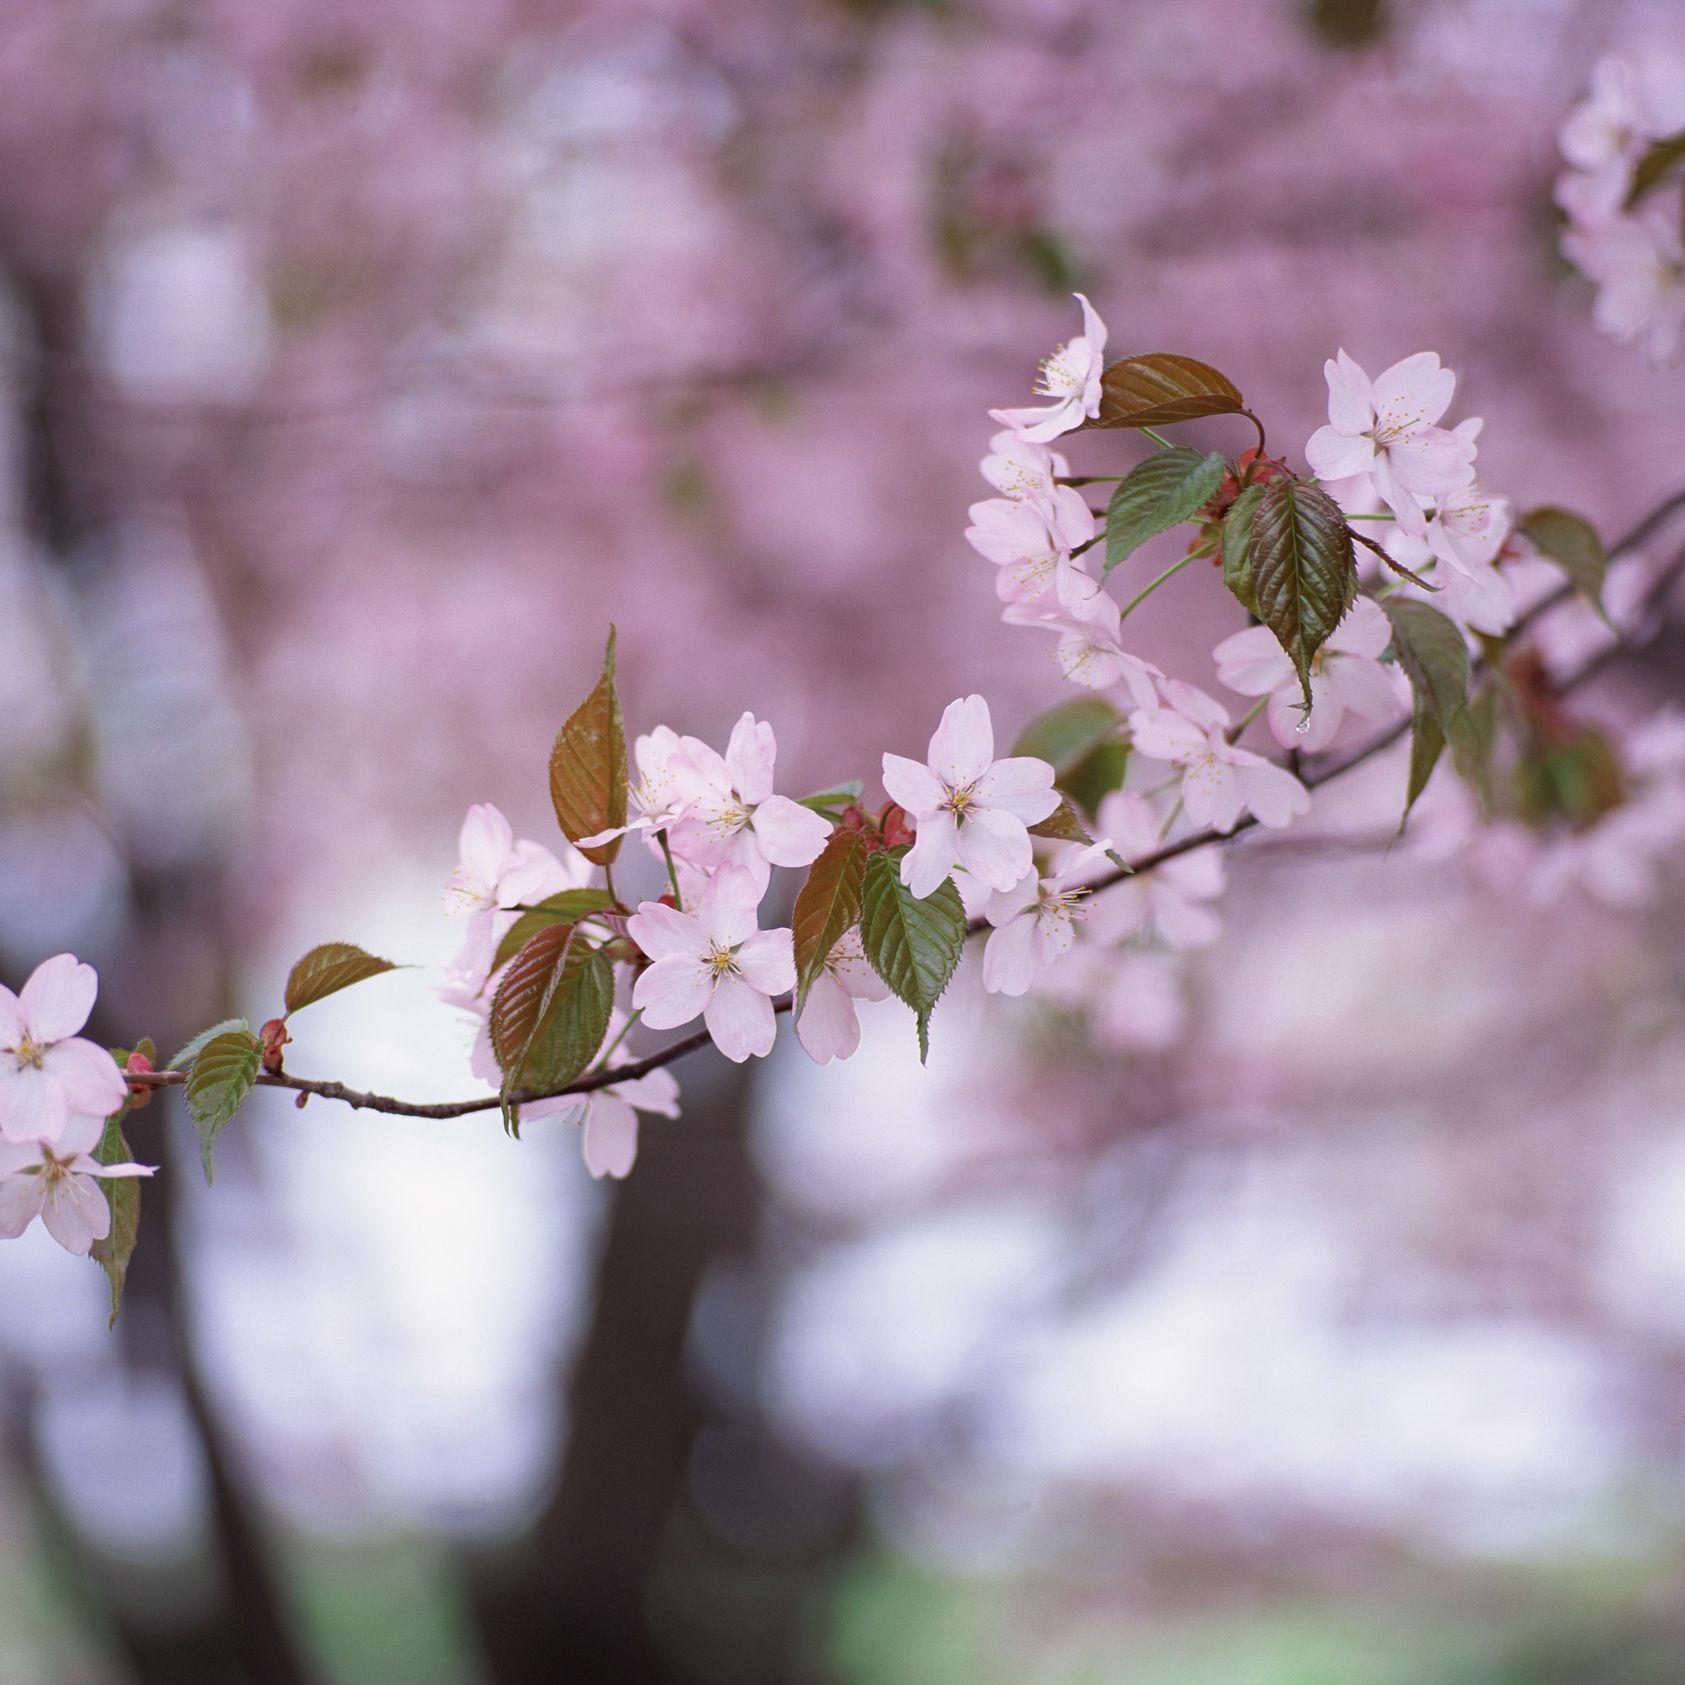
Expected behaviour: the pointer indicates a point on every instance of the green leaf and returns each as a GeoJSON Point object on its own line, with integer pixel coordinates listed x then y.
{"type": "Point", "coordinates": [326, 970]}
{"type": "Point", "coordinates": [550, 1013]}
{"type": "Point", "coordinates": [1158, 494]}
{"type": "Point", "coordinates": [1474, 731]}
{"type": "Point", "coordinates": [588, 767]}
{"type": "Point", "coordinates": [1159, 388]}
{"type": "Point", "coordinates": [223, 1073]}
{"type": "Point", "coordinates": [1065, 735]}
{"type": "Point", "coordinates": [1096, 776]}
{"type": "Point", "coordinates": [1237, 540]}
{"type": "Point", "coordinates": [1063, 824]}
{"type": "Point", "coordinates": [828, 802]}
{"type": "Point", "coordinates": [1572, 543]}
{"type": "Point", "coordinates": [568, 907]}
{"type": "Point", "coordinates": [122, 1195]}
{"type": "Point", "coordinates": [1435, 658]}
{"type": "Point", "coordinates": [191, 1051]}
{"type": "Point", "coordinates": [828, 903]}
{"type": "Point", "coordinates": [1661, 159]}
{"type": "Point", "coordinates": [1303, 573]}
{"type": "Point", "coordinates": [914, 946]}
{"type": "Point", "coordinates": [1427, 743]}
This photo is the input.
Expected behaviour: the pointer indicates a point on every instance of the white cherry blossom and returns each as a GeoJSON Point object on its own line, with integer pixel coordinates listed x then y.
{"type": "Point", "coordinates": [1384, 429]}
{"type": "Point", "coordinates": [1035, 921]}
{"type": "Point", "coordinates": [1172, 901]}
{"type": "Point", "coordinates": [59, 1182]}
{"type": "Point", "coordinates": [1071, 378]}
{"type": "Point", "coordinates": [715, 963]}
{"type": "Point", "coordinates": [1023, 471]}
{"type": "Point", "coordinates": [829, 1025]}
{"type": "Point", "coordinates": [1220, 780]}
{"type": "Point", "coordinates": [48, 1073]}
{"type": "Point", "coordinates": [1090, 651]}
{"type": "Point", "coordinates": [970, 809]}
{"type": "Point", "coordinates": [1031, 545]}
{"type": "Point", "coordinates": [1345, 673]}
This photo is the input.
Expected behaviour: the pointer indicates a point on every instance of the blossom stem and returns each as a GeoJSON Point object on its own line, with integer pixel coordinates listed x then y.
{"type": "Point", "coordinates": [1147, 590]}
{"type": "Point", "coordinates": [1235, 731]}
{"type": "Point", "coordinates": [672, 870]}
{"type": "Point", "coordinates": [1086, 479]}
{"type": "Point", "coordinates": [1382, 517]}
{"type": "Point", "coordinates": [602, 1059]}
{"type": "Point", "coordinates": [1156, 437]}
{"type": "Point", "coordinates": [1170, 819]}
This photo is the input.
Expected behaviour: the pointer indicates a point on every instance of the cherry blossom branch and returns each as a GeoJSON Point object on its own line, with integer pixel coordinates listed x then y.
{"type": "Point", "coordinates": [1655, 595]}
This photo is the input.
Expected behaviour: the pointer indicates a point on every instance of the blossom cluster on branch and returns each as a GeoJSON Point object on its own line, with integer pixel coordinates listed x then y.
{"type": "Point", "coordinates": [1379, 593]}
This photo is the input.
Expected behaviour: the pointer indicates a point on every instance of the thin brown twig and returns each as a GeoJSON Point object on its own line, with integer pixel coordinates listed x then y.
{"type": "Point", "coordinates": [1645, 629]}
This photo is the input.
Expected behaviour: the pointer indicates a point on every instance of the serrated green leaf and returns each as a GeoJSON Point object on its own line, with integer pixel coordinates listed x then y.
{"type": "Point", "coordinates": [1065, 735]}
{"type": "Point", "coordinates": [550, 1013]}
{"type": "Point", "coordinates": [122, 1196]}
{"type": "Point", "coordinates": [827, 904]}
{"type": "Point", "coordinates": [1434, 655]}
{"type": "Point", "coordinates": [913, 945]}
{"type": "Point", "coordinates": [224, 1071]}
{"type": "Point", "coordinates": [568, 907]}
{"type": "Point", "coordinates": [1237, 553]}
{"type": "Point", "coordinates": [1427, 743]}
{"type": "Point", "coordinates": [1572, 543]}
{"type": "Point", "coordinates": [329, 968]}
{"type": "Point", "coordinates": [588, 767]}
{"type": "Point", "coordinates": [828, 802]}
{"type": "Point", "coordinates": [1063, 824]}
{"type": "Point", "coordinates": [191, 1051]}
{"type": "Point", "coordinates": [1303, 573]}
{"type": "Point", "coordinates": [1158, 494]}
{"type": "Point", "coordinates": [1161, 387]}
{"type": "Point", "coordinates": [1660, 160]}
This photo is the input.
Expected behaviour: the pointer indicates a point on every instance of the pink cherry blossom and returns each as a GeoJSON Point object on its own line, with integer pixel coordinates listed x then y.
{"type": "Point", "coordinates": [1169, 901]}
{"type": "Point", "coordinates": [731, 817]}
{"type": "Point", "coordinates": [49, 1074]}
{"type": "Point", "coordinates": [829, 1025]}
{"type": "Point", "coordinates": [58, 1181]}
{"type": "Point", "coordinates": [1023, 471]}
{"type": "Point", "coordinates": [1638, 263]}
{"type": "Point", "coordinates": [970, 809]}
{"type": "Point", "coordinates": [1345, 673]}
{"type": "Point", "coordinates": [716, 963]}
{"type": "Point", "coordinates": [1385, 430]}
{"type": "Point", "coordinates": [1071, 378]}
{"type": "Point", "coordinates": [654, 794]}
{"type": "Point", "coordinates": [1133, 999]}
{"type": "Point", "coordinates": [494, 875]}
{"type": "Point", "coordinates": [1220, 780]}
{"type": "Point", "coordinates": [1601, 137]}
{"type": "Point", "coordinates": [1035, 921]}
{"type": "Point", "coordinates": [1031, 546]}
{"type": "Point", "coordinates": [1090, 650]}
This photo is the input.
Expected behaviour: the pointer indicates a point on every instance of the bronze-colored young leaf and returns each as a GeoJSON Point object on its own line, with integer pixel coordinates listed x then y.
{"type": "Point", "coordinates": [1661, 160]}
{"type": "Point", "coordinates": [326, 970]}
{"type": "Point", "coordinates": [1161, 387]}
{"type": "Point", "coordinates": [913, 945]}
{"type": "Point", "coordinates": [1303, 573]}
{"type": "Point", "coordinates": [122, 1197]}
{"type": "Point", "coordinates": [224, 1072]}
{"type": "Point", "coordinates": [588, 767]}
{"type": "Point", "coordinates": [1158, 494]}
{"type": "Point", "coordinates": [551, 1011]}
{"type": "Point", "coordinates": [567, 907]}
{"type": "Point", "coordinates": [1237, 548]}
{"type": "Point", "coordinates": [827, 904]}
{"type": "Point", "coordinates": [1572, 543]}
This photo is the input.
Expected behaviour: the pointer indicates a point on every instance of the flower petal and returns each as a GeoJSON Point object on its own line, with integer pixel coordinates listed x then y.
{"type": "Point", "coordinates": [664, 932]}
{"type": "Point", "coordinates": [31, 1105]}
{"type": "Point", "coordinates": [21, 1199]}
{"type": "Point", "coordinates": [1008, 957]}
{"type": "Point", "coordinates": [829, 1026]}
{"type": "Point", "coordinates": [994, 847]}
{"type": "Point", "coordinates": [728, 906]}
{"type": "Point", "coordinates": [790, 834]}
{"type": "Point", "coordinates": [672, 992]}
{"type": "Point", "coordinates": [609, 1140]}
{"type": "Point", "coordinates": [76, 1214]}
{"type": "Point", "coordinates": [1337, 456]}
{"type": "Point", "coordinates": [1351, 398]}
{"type": "Point", "coordinates": [963, 745]}
{"type": "Point", "coordinates": [912, 784]}
{"type": "Point", "coordinates": [88, 1075]}
{"type": "Point", "coordinates": [768, 961]}
{"type": "Point", "coordinates": [1020, 785]}
{"type": "Point", "coordinates": [58, 997]}
{"type": "Point", "coordinates": [740, 1019]}
{"type": "Point", "coordinates": [12, 1025]}
{"type": "Point", "coordinates": [750, 758]}
{"type": "Point", "coordinates": [1414, 392]}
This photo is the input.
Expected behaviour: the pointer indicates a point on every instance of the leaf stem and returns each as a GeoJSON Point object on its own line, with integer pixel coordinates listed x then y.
{"type": "Point", "coordinates": [672, 870]}
{"type": "Point", "coordinates": [1086, 479]}
{"type": "Point", "coordinates": [1147, 590]}
{"type": "Point", "coordinates": [1156, 437]}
